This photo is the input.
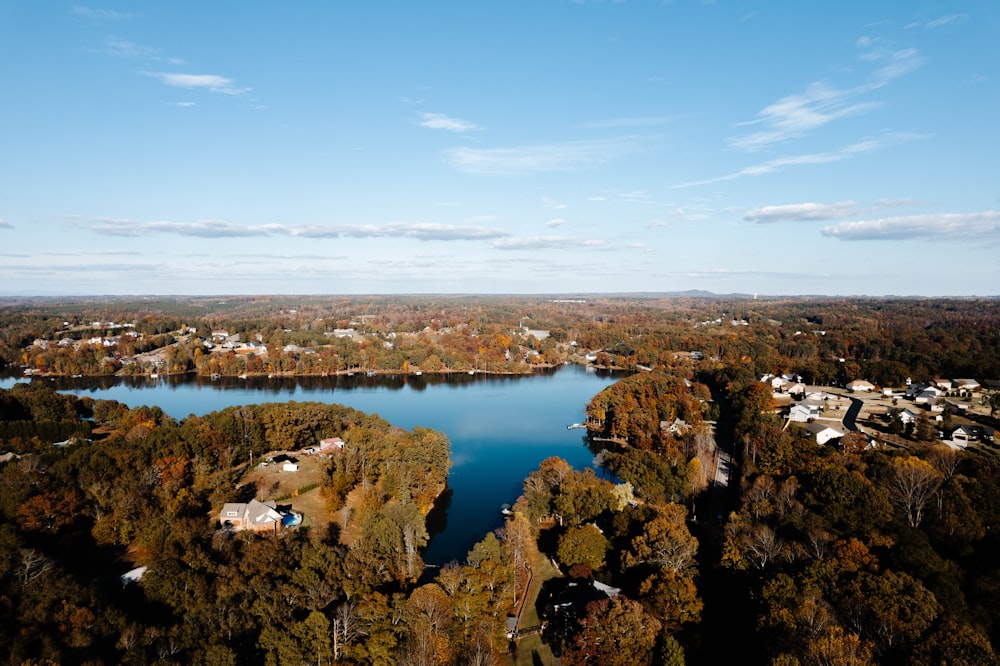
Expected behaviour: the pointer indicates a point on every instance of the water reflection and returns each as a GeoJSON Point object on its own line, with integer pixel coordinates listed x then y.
{"type": "Point", "coordinates": [500, 426]}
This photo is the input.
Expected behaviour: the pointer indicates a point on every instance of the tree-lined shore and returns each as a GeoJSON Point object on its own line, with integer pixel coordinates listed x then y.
{"type": "Point", "coordinates": [878, 546]}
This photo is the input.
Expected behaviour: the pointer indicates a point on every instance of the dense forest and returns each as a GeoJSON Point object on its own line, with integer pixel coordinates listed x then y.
{"type": "Point", "coordinates": [136, 486]}
{"type": "Point", "coordinates": [858, 555]}
{"type": "Point", "coordinates": [885, 340]}
{"type": "Point", "coordinates": [875, 548]}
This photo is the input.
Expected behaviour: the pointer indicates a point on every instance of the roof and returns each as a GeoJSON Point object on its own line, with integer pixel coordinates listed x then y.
{"type": "Point", "coordinates": [251, 514]}
{"type": "Point", "coordinates": [816, 427]}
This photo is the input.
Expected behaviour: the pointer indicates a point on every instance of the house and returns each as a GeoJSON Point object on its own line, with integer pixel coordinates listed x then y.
{"type": "Point", "coordinates": [823, 433]}
{"type": "Point", "coordinates": [860, 385]}
{"type": "Point", "coordinates": [343, 333]}
{"type": "Point", "coordinates": [905, 415]}
{"type": "Point", "coordinates": [785, 383]}
{"type": "Point", "coordinates": [794, 388]}
{"type": "Point", "coordinates": [132, 576]}
{"type": "Point", "coordinates": [943, 384]}
{"type": "Point", "coordinates": [928, 396]}
{"type": "Point", "coordinates": [805, 411]}
{"type": "Point", "coordinates": [774, 380]}
{"type": "Point", "coordinates": [676, 427]}
{"type": "Point", "coordinates": [331, 444]}
{"type": "Point", "coordinates": [914, 390]}
{"type": "Point", "coordinates": [817, 393]}
{"type": "Point", "coordinates": [968, 434]}
{"type": "Point", "coordinates": [290, 466]}
{"type": "Point", "coordinates": [262, 517]}
{"type": "Point", "coordinates": [967, 385]}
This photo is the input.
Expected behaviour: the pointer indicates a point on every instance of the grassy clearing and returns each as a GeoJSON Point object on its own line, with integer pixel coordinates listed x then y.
{"type": "Point", "coordinates": [530, 650]}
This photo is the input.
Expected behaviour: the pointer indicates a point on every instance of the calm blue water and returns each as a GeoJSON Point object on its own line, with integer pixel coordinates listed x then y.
{"type": "Point", "coordinates": [500, 428]}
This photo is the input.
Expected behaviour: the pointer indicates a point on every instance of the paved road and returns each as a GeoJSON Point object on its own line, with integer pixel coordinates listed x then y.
{"type": "Point", "coordinates": [723, 466]}
{"type": "Point", "coordinates": [850, 418]}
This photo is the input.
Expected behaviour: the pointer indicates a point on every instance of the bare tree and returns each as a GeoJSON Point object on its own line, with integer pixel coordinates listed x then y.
{"type": "Point", "coordinates": [912, 482]}
{"type": "Point", "coordinates": [346, 627]}
{"type": "Point", "coordinates": [32, 567]}
{"type": "Point", "coordinates": [763, 546]}
{"type": "Point", "coordinates": [818, 542]}
{"type": "Point", "coordinates": [945, 460]}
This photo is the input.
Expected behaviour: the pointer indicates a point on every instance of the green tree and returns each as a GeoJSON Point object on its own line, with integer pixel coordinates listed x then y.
{"type": "Point", "coordinates": [584, 544]}
{"type": "Point", "coordinates": [892, 609]}
{"type": "Point", "coordinates": [955, 644]}
{"type": "Point", "coordinates": [672, 598]}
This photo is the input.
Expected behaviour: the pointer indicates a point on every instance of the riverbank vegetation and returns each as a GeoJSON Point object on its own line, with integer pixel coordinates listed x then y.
{"type": "Point", "coordinates": [139, 488]}
{"type": "Point", "coordinates": [723, 531]}
{"type": "Point", "coordinates": [883, 339]}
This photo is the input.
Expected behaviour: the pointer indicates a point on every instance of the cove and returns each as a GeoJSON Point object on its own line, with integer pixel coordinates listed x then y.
{"type": "Point", "coordinates": [500, 426]}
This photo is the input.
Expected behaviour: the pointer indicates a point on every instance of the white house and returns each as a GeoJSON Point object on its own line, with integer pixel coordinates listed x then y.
{"type": "Point", "coordinates": [676, 427]}
{"type": "Point", "coordinates": [253, 515]}
{"type": "Point", "coordinates": [331, 443]}
{"type": "Point", "coordinates": [905, 415]}
{"type": "Point", "coordinates": [800, 413]}
{"type": "Point", "coordinates": [794, 388]}
{"type": "Point", "coordinates": [967, 434]}
{"type": "Point", "coordinates": [804, 411]}
{"type": "Point", "coordinates": [928, 396]}
{"type": "Point", "coordinates": [860, 385]}
{"type": "Point", "coordinates": [290, 467]}
{"type": "Point", "coordinates": [967, 385]}
{"type": "Point", "coordinates": [823, 433]}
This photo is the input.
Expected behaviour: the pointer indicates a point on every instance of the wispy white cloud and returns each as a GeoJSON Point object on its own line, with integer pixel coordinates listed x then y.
{"type": "Point", "coordinates": [426, 232]}
{"type": "Point", "coordinates": [636, 197]}
{"type": "Point", "coordinates": [641, 121]}
{"type": "Point", "coordinates": [778, 164]}
{"type": "Point", "coordinates": [211, 82]}
{"type": "Point", "coordinates": [546, 243]}
{"type": "Point", "coordinates": [894, 203]}
{"type": "Point", "coordinates": [796, 116]}
{"type": "Point", "coordinates": [567, 156]}
{"type": "Point", "coordinates": [938, 22]}
{"type": "Point", "coordinates": [676, 215]}
{"type": "Point", "coordinates": [6, 225]}
{"type": "Point", "coordinates": [99, 14]}
{"type": "Point", "coordinates": [124, 49]}
{"type": "Point", "coordinates": [222, 229]}
{"type": "Point", "coordinates": [899, 64]}
{"type": "Point", "coordinates": [555, 222]}
{"type": "Point", "coordinates": [980, 226]}
{"type": "Point", "coordinates": [183, 104]}
{"type": "Point", "coordinates": [442, 121]}
{"type": "Point", "coordinates": [801, 212]}
{"type": "Point", "coordinates": [552, 204]}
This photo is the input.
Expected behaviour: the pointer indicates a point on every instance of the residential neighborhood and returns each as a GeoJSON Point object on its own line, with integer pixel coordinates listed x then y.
{"type": "Point", "coordinates": [947, 405]}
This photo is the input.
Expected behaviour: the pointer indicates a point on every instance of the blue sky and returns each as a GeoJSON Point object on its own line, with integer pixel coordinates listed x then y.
{"type": "Point", "coordinates": [536, 146]}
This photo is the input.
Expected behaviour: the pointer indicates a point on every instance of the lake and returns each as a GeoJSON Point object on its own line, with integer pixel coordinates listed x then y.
{"type": "Point", "coordinates": [500, 427]}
